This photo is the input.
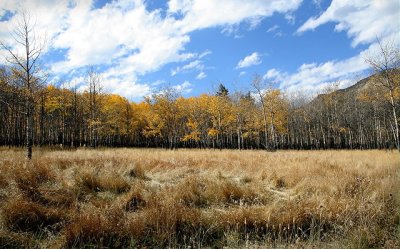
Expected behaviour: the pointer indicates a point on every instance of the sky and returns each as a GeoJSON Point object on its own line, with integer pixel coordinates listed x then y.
{"type": "Point", "coordinates": [139, 47]}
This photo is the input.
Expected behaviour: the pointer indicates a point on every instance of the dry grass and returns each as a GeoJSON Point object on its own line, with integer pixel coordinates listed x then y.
{"type": "Point", "coordinates": [118, 198]}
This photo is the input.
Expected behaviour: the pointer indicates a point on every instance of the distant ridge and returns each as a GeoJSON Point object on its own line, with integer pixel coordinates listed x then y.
{"type": "Point", "coordinates": [364, 85]}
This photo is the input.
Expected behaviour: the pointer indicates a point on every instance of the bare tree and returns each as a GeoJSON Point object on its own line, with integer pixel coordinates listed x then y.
{"type": "Point", "coordinates": [26, 66]}
{"type": "Point", "coordinates": [95, 92]}
{"type": "Point", "coordinates": [386, 63]}
{"type": "Point", "coordinates": [258, 86]}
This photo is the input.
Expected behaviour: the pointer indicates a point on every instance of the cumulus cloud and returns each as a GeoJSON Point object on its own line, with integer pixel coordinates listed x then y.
{"type": "Point", "coordinates": [250, 60]}
{"type": "Point", "coordinates": [127, 86]}
{"type": "Point", "coordinates": [274, 75]}
{"type": "Point", "coordinates": [126, 39]}
{"type": "Point", "coordinates": [363, 20]}
{"type": "Point", "coordinates": [47, 23]}
{"type": "Point", "coordinates": [120, 34]}
{"type": "Point", "coordinates": [314, 77]}
{"type": "Point", "coordinates": [199, 14]}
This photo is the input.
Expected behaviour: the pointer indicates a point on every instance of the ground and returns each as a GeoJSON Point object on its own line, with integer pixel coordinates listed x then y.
{"type": "Point", "coordinates": [129, 198]}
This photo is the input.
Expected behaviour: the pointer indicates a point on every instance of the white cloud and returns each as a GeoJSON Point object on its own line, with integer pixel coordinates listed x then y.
{"type": "Point", "coordinates": [276, 30]}
{"type": "Point", "coordinates": [363, 20]}
{"type": "Point", "coordinates": [194, 65]}
{"type": "Point", "coordinates": [232, 30]}
{"type": "Point", "coordinates": [314, 77]}
{"type": "Point", "coordinates": [242, 73]}
{"type": "Point", "coordinates": [183, 88]}
{"type": "Point", "coordinates": [317, 3]}
{"type": "Point", "coordinates": [47, 23]}
{"type": "Point", "coordinates": [290, 18]}
{"type": "Point", "coordinates": [124, 86]}
{"type": "Point", "coordinates": [201, 75]}
{"type": "Point", "coordinates": [127, 87]}
{"type": "Point", "coordinates": [158, 82]}
{"type": "Point", "coordinates": [273, 28]}
{"type": "Point", "coordinates": [124, 34]}
{"type": "Point", "coordinates": [204, 54]}
{"type": "Point", "coordinates": [254, 22]}
{"type": "Point", "coordinates": [181, 6]}
{"type": "Point", "coordinates": [250, 60]}
{"type": "Point", "coordinates": [127, 39]}
{"type": "Point", "coordinates": [199, 14]}
{"type": "Point", "coordinates": [274, 74]}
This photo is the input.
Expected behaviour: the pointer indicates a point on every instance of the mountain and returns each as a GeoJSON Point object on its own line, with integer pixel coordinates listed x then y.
{"type": "Point", "coordinates": [366, 86]}
{"type": "Point", "coordinates": [360, 86]}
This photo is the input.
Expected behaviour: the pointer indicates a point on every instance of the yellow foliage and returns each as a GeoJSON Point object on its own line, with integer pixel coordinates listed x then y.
{"type": "Point", "coordinates": [116, 111]}
{"type": "Point", "coordinates": [195, 136]}
{"type": "Point", "coordinates": [212, 132]}
{"type": "Point", "coordinates": [277, 110]}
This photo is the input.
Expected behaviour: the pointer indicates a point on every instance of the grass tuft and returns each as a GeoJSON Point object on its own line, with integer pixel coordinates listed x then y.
{"type": "Point", "coordinates": [135, 200]}
{"type": "Point", "coordinates": [93, 182]}
{"type": "Point", "coordinates": [94, 228]}
{"type": "Point", "coordinates": [138, 172]}
{"type": "Point", "coordinates": [21, 215]}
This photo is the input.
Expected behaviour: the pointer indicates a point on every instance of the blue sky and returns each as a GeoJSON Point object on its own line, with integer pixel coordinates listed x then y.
{"type": "Point", "coordinates": [141, 46]}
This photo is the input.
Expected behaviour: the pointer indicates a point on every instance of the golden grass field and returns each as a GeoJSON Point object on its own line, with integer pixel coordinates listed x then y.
{"type": "Point", "coordinates": [153, 198]}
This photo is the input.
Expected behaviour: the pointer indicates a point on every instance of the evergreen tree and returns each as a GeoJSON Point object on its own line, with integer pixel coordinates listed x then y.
{"type": "Point", "coordinates": [222, 91]}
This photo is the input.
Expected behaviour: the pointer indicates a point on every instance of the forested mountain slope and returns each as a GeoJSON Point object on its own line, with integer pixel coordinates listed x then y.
{"type": "Point", "coordinates": [359, 116]}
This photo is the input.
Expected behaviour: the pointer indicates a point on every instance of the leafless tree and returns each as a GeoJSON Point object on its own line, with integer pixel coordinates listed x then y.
{"type": "Point", "coordinates": [95, 90]}
{"type": "Point", "coordinates": [386, 63]}
{"type": "Point", "coordinates": [258, 85]}
{"type": "Point", "coordinates": [27, 67]}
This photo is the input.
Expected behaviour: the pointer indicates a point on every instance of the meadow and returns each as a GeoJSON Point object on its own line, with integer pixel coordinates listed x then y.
{"type": "Point", "coordinates": [153, 198]}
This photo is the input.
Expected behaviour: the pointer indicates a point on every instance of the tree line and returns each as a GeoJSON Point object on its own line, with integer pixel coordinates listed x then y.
{"type": "Point", "coordinates": [266, 119]}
